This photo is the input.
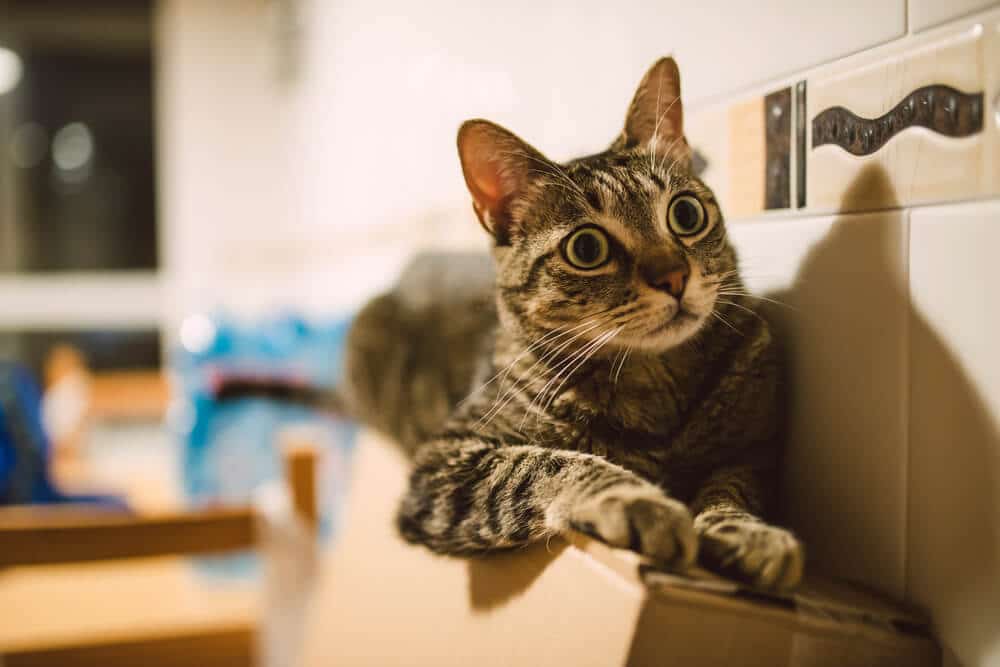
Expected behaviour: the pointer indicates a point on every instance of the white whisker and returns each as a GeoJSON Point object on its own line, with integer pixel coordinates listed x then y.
{"type": "Point", "coordinates": [621, 364]}
{"type": "Point", "coordinates": [742, 307]}
{"type": "Point", "coordinates": [503, 398]}
{"type": "Point", "coordinates": [726, 322]}
{"type": "Point", "coordinates": [558, 368]}
{"type": "Point", "coordinates": [669, 150]}
{"type": "Point", "coordinates": [656, 126]}
{"type": "Point", "coordinates": [599, 318]}
{"type": "Point", "coordinates": [602, 341]}
{"type": "Point", "coordinates": [556, 333]}
{"type": "Point", "coordinates": [550, 168]}
{"type": "Point", "coordinates": [749, 295]}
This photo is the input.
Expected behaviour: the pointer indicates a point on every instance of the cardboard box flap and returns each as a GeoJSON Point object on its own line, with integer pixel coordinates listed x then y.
{"type": "Point", "coordinates": [573, 602]}
{"type": "Point", "coordinates": [821, 599]}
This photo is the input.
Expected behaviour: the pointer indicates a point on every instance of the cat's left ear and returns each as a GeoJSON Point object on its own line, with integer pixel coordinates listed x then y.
{"type": "Point", "coordinates": [498, 166]}
{"type": "Point", "coordinates": [655, 118]}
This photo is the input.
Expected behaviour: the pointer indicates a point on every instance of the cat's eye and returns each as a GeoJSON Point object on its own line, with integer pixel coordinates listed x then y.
{"type": "Point", "coordinates": [587, 248]}
{"type": "Point", "coordinates": [686, 216]}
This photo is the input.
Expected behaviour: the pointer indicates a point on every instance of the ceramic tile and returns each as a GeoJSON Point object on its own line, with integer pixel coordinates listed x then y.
{"type": "Point", "coordinates": [747, 147]}
{"type": "Point", "coordinates": [706, 131]}
{"type": "Point", "coordinates": [762, 41]}
{"type": "Point", "coordinates": [954, 488]}
{"type": "Point", "coordinates": [924, 14]}
{"type": "Point", "coordinates": [845, 324]}
{"type": "Point", "coordinates": [942, 81]}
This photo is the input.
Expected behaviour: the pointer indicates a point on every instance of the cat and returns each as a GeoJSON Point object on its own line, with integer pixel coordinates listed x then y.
{"type": "Point", "coordinates": [622, 382]}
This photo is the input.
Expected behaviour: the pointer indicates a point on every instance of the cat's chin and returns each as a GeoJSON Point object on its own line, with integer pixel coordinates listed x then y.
{"type": "Point", "coordinates": [667, 334]}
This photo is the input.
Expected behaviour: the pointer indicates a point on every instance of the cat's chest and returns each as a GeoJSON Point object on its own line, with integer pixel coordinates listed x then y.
{"type": "Point", "coordinates": [651, 400]}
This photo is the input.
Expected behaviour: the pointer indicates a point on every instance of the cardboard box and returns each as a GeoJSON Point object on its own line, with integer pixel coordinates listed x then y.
{"type": "Point", "coordinates": [572, 602]}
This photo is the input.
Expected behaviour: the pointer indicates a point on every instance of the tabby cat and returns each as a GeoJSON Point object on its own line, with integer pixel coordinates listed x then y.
{"type": "Point", "coordinates": [622, 382]}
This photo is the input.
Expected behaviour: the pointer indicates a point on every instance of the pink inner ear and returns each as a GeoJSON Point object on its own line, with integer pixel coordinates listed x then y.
{"type": "Point", "coordinates": [485, 180]}
{"type": "Point", "coordinates": [488, 184]}
{"type": "Point", "coordinates": [495, 166]}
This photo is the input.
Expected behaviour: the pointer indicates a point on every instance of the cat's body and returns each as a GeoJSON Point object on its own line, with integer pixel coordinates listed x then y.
{"type": "Point", "coordinates": [413, 354]}
{"type": "Point", "coordinates": [438, 344]}
{"type": "Point", "coordinates": [610, 375]}
{"type": "Point", "coordinates": [420, 356]}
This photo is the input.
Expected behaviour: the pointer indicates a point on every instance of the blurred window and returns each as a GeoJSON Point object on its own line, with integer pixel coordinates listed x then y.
{"type": "Point", "coordinates": [77, 180]}
{"type": "Point", "coordinates": [76, 132]}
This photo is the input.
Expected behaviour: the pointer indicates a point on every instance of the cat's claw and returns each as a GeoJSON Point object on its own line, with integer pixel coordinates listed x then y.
{"type": "Point", "coordinates": [646, 522]}
{"type": "Point", "coordinates": [765, 556]}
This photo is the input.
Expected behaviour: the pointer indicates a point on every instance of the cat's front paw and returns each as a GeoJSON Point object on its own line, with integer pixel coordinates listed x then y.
{"type": "Point", "coordinates": [645, 521]}
{"type": "Point", "coordinates": [768, 557]}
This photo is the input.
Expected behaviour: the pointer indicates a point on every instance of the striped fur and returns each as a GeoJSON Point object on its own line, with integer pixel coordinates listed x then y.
{"type": "Point", "coordinates": [537, 398]}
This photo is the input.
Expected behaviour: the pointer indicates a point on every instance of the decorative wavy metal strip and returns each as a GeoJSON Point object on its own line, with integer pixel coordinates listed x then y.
{"type": "Point", "coordinates": [939, 108]}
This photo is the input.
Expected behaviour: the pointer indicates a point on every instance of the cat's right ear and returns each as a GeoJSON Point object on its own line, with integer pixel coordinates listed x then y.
{"type": "Point", "coordinates": [655, 118]}
{"type": "Point", "coordinates": [497, 166]}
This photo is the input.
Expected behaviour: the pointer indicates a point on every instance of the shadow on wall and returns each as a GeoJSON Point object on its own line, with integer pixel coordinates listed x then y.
{"type": "Point", "coordinates": [952, 515]}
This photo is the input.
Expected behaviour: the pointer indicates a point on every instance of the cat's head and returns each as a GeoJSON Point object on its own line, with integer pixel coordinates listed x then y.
{"type": "Point", "coordinates": [627, 241]}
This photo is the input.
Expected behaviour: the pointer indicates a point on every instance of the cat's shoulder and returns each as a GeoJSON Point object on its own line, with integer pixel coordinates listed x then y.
{"type": "Point", "coordinates": [442, 277]}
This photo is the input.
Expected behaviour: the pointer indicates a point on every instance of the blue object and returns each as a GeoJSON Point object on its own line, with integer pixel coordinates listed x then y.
{"type": "Point", "coordinates": [229, 447]}
{"type": "Point", "coordinates": [25, 448]}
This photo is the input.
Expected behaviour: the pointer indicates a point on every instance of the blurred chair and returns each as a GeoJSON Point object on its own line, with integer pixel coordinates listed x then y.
{"type": "Point", "coordinates": [32, 537]}
{"type": "Point", "coordinates": [76, 396]}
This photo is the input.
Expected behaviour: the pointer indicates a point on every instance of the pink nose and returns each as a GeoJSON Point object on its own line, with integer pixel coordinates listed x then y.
{"type": "Point", "coordinates": [667, 274]}
{"type": "Point", "coordinates": [674, 282]}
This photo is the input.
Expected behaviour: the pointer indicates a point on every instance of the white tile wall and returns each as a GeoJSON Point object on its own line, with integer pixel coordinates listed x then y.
{"type": "Point", "coordinates": [364, 136]}
{"type": "Point", "coordinates": [844, 282]}
{"type": "Point", "coordinates": [953, 538]}
{"type": "Point", "coordinates": [761, 40]}
{"type": "Point", "coordinates": [926, 13]}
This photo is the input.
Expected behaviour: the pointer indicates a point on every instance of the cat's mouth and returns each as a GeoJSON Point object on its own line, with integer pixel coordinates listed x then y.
{"type": "Point", "coordinates": [671, 329]}
{"type": "Point", "coordinates": [680, 318]}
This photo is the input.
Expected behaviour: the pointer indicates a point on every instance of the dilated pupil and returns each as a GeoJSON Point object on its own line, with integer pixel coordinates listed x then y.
{"type": "Point", "coordinates": [686, 214]}
{"type": "Point", "coordinates": [587, 248]}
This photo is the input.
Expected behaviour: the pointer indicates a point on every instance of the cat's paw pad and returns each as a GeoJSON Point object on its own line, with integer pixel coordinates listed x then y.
{"type": "Point", "coordinates": [646, 522]}
{"type": "Point", "coordinates": [765, 556]}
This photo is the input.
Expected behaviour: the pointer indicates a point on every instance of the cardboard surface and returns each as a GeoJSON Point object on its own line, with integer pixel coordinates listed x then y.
{"type": "Point", "coordinates": [575, 602]}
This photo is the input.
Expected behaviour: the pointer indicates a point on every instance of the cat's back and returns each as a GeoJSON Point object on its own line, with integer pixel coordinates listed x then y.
{"type": "Point", "coordinates": [413, 351]}
{"type": "Point", "coordinates": [446, 280]}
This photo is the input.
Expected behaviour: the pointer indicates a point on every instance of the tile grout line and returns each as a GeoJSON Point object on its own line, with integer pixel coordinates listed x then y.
{"type": "Point", "coordinates": [787, 78]}
{"type": "Point", "coordinates": [792, 215]}
{"type": "Point", "coordinates": [907, 401]}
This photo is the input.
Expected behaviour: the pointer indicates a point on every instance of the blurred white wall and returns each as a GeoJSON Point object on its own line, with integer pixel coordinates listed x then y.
{"type": "Point", "coordinates": [308, 190]}
{"type": "Point", "coordinates": [221, 150]}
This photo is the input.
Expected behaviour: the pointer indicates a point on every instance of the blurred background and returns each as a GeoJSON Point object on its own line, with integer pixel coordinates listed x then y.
{"type": "Point", "coordinates": [192, 191]}
{"type": "Point", "coordinates": [197, 190]}
{"type": "Point", "coordinates": [170, 163]}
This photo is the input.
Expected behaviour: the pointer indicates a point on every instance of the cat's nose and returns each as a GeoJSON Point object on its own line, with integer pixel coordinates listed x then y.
{"type": "Point", "coordinates": [671, 277]}
{"type": "Point", "coordinates": [674, 282]}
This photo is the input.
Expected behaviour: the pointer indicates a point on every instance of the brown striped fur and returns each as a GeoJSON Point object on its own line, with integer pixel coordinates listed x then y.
{"type": "Point", "coordinates": [600, 400]}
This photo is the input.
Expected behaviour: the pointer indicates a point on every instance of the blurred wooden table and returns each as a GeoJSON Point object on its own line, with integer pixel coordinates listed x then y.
{"type": "Point", "coordinates": [93, 604]}
{"type": "Point", "coordinates": [109, 602]}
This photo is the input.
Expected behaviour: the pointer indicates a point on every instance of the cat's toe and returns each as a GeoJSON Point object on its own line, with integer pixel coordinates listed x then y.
{"type": "Point", "coordinates": [663, 531]}
{"type": "Point", "coordinates": [767, 557]}
{"type": "Point", "coordinates": [650, 524]}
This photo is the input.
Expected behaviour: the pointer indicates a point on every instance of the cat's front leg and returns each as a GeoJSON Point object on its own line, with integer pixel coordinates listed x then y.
{"type": "Point", "coordinates": [469, 496]}
{"type": "Point", "coordinates": [735, 542]}
{"type": "Point", "coordinates": [641, 518]}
